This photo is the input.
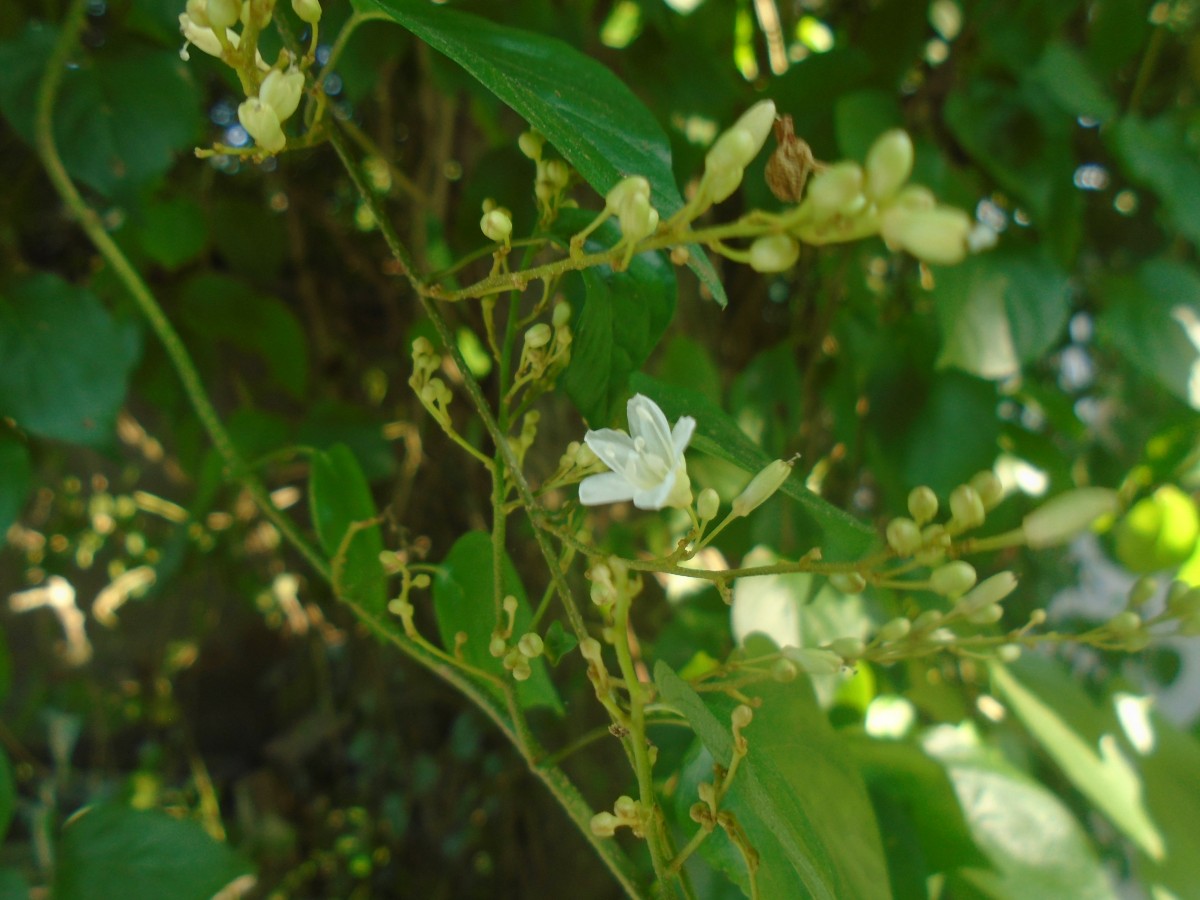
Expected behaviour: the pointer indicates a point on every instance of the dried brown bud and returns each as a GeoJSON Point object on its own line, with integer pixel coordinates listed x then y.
{"type": "Point", "coordinates": [791, 163]}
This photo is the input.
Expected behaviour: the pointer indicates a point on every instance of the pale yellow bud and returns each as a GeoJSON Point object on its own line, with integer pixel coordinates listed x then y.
{"type": "Point", "coordinates": [262, 123]}
{"type": "Point", "coordinates": [989, 488]}
{"type": "Point", "coordinates": [889, 163]}
{"type": "Point", "coordinates": [742, 716]}
{"type": "Point", "coordinates": [561, 316]}
{"type": "Point", "coordinates": [848, 647]}
{"type": "Point", "coordinates": [937, 236]}
{"type": "Point", "coordinates": [555, 173]}
{"type": "Point", "coordinates": [774, 253]}
{"type": "Point", "coordinates": [988, 615]}
{"type": "Point", "coordinates": [621, 193]}
{"type": "Point", "coordinates": [952, 579]}
{"type": "Point", "coordinates": [848, 582]}
{"type": "Point", "coordinates": [638, 219]}
{"type": "Point", "coordinates": [988, 592]}
{"type": "Point", "coordinates": [903, 536]}
{"type": "Point", "coordinates": [223, 13]}
{"type": "Point", "coordinates": [837, 190]}
{"type": "Point", "coordinates": [922, 504]}
{"type": "Point", "coordinates": [308, 10]}
{"type": "Point", "coordinates": [531, 645]}
{"type": "Point", "coordinates": [531, 144]}
{"type": "Point", "coordinates": [966, 507]}
{"type": "Point", "coordinates": [604, 824]}
{"type": "Point", "coordinates": [538, 336]}
{"type": "Point", "coordinates": [1059, 520]}
{"type": "Point", "coordinates": [895, 630]}
{"type": "Point", "coordinates": [197, 11]}
{"type": "Point", "coordinates": [496, 225]}
{"type": "Point", "coordinates": [762, 486]}
{"type": "Point", "coordinates": [281, 91]}
{"type": "Point", "coordinates": [707, 504]}
{"type": "Point", "coordinates": [626, 808]}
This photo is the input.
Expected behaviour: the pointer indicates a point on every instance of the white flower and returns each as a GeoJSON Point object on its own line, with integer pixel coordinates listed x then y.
{"type": "Point", "coordinates": [647, 464]}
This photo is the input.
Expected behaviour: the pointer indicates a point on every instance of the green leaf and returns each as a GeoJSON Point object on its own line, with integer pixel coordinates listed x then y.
{"type": "Point", "coordinates": [224, 309]}
{"type": "Point", "coordinates": [618, 320]}
{"type": "Point", "coordinates": [66, 360]}
{"type": "Point", "coordinates": [1065, 74]}
{"type": "Point", "coordinates": [122, 115]}
{"type": "Point", "coordinates": [8, 794]}
{"type": "Point", "coordinates": [862, 116]}
{"type": "Point", "coordinates": [1038, 850]}
{"type": "Point", "coordinates": [117, 853]}
{"type": "Point", "coordinates": [5, 667]}
{"type": "Point", "coordinates": [339, 499]}
{"type": "Point", "coordinates": [463, 597]}
{"type": "Point", "coordinates": [16, 480]}
{"type": "Point", "coordinates": [1169, 769]}
{"type": "Point", "coordinates": [171, 232]}
{"type": "Point", "coordinates": [13, 884]}
{"type": "Point", "coordinates": [1157, 153]}
{"type": "Point", "coordinates": [918, 788]}
{"type": "Point", "coordinates": [597, 124]}
{"type": "Point", "coordinates": [1148, 319]}
{"type": "Point", "coordinates": [1101, 773]}
{"type": "Point", "coordinates": [559, 642]}
{"type": "Point", "coordinates": [797, 794]}
{"type": "Point", "coordinates": [838, 533]}
{"type": "Point", "coordinates": [1000, 310]}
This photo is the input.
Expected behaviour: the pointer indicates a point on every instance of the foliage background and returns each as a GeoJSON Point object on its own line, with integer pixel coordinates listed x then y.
{"type": "Point", "coordinates": [266, 716]}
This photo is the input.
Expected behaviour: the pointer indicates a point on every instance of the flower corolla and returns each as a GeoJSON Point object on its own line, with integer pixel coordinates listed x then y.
{"type": "Point", "coordinates": [647, 463]}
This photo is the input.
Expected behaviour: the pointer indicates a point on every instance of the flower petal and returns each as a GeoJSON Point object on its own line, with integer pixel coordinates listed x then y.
{"type": "Point", "coordinates": [614, 448]}
{"type": "Point", "coordinates": [646, 421]}
{"type": "Point", "coordinates": [657, 496]}
{"type": "Point", "coordinates": [608, 487]}
{"type": "Point", "coordinates": [681, 435]}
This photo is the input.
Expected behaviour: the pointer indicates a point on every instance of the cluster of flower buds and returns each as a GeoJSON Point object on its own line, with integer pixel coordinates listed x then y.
{"type": "Point", "coordinates": [553, 175]}
{"type": "Point", "coordinates": [577, 456]}
{"type": "Point", "coordinates": [846, 202]}
{"type": "Point", "coordinates": [432, 391]}
{"type": "Point", "coordinates": [629, 201]}
{"type": "Point", "coordinates": [270, 100]}
{"type": "Point", "coordinates": [981, 604]}
{"type": "Point", "coordinates": [521, 442]}
{"type": "Point", "coordinates": [546, 350]}
{"type": "Point", "coordinates": [626, 813]}
{"type": "Point", "coordinates": [518, 658]}
{"type": "Point", "coordinates": [610, 582]}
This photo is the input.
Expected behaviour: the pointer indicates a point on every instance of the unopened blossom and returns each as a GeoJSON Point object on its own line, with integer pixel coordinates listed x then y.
{"type": "Point", "coordinates": [647, 463]}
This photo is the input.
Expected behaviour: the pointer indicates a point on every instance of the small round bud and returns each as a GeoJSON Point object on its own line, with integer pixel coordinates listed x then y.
{"type": "Point", "coordinates": [988, 487]}
{"type": "Point", "coordinates": [556, 173]}
{"type": "Point", "coordinates": [282, 91]}
{"type": "Point", "coordinates": [889, 163]}
{"type": "Point", "coordinates": [497, 646]}
{"type": "Point", "coordinates": [848, 582]}
{"type": "Point", "coordinates": [903, 536]}
{"type": "Point", "coordinates": [927, 621]}
{"type": "Point", "coordinates": [590, 649]}
{"type": "Point", "coordinates": [308, 10]}
{"type": "Point", "coordinates": [895, 630]}
{"type": "Point", "coordinates": [638, 219]}
{"type": "Point", "coordinates": [626, 808]}
{"type": "Point", "coordinates": [197, 11]}
{"type": "Point", "coordinates": [513, 658]}
{"type": "Point", "coordinates": [762, 486]}
{"type": "Point", "coordinates": [836, 191]}
{"type": "Point", "coordinates": [738, 146]}
{"type": "Point", "coordinates": [262, 123]}
{"type": "Point", "coordinates": [953, 579]}
{"type": "Point", "coordinates": [1125, 623]}
{"type": "Point", "coordinates": [421, 581]}
{"type": "Point", "coordinates": [1008, 653]}
{"type": "Point", "coordinates": [937, 236]}
{"type": "Point", "coordinates": [988, 615]}
{"type": "Point", "coordinates": [422, 347]}
{"type": "Point", "coordinates": [223, 13]}
{"type": "Point", "coordinates": [848, 647]}
{"type": "Point", "coordinates": [561, 316]}
{"type": "Point", "coordinates": [531, 143]}
{"type": "Point", "coordinates": [784, 670]}
{"type": "Point", "coordinates": [538, 336]}
{"type": "Point", "coordinates": [496, 225]}
{"type": "Point", "coordinates": [1064, 517]}
{"type": "Point", "coordinates": [531, 645]}
{"type": "Point", "coordinates": [742, 716]}
{"type": "Point", "coordinates": [622, 193]}
{"type": "Point", "coordinates": [707, 505]}
{"type": "Point", "coordinates": [510, 604]}
{"type": "Point", "coordinates": [522, 671]}
{"type": "Point", "coordinates": [604, 824]}
{"type": "Point", "coordinates": [922, 504]}
{"type": "Point", "coordinates": [1143, 589]}
{"type": "Point", "coordinates": [966, 507]}
{"type": "Point", "coordinates": [988, 592]}
{"type": "Point", "coordinates": [774, 253]}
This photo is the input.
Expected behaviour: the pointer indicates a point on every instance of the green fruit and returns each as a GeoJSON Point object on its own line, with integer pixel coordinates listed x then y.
{"type": "Point", "coordinates": [1160, 532]}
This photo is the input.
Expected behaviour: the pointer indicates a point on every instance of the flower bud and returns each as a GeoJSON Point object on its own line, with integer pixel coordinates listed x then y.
{"type": "Point", "coordinates": [1143, 589]}
{"type": "Point", "coordinates": [707, 505]}
{"type": "Point", "coordinates": [903, 536]}
{"type": "Point", "coordinates": [922, 504]}
{"type": "Point", "coordinates": [538, 336]}
{"type": "Point", "coordinates": [966, 508]}
{"type": "Point", "coordinates": [555, 173]}
{"type": "Point", "coordinates": [282, 90]}
{"type": "Point", "coordinates": [510, 604]}
{"type": "Point", "coordinates": [531, 144]}
{"type": "Point", "coordinates": [762, 486]}
{"type": "Point", "coordinates": [848, 647]}
{"type": "Point", "coordinates": [988, 615]}
{"type": "Point", "coordinates": [988, 592]}
{"type": "Point", "coordinates": [848, 582]}
{"type": "Point", "coordinates": [953, 579]}
{"type": "Point", "coordinates": [889, 163]}
{"type": "Point", "coordinates": [197, 12]}
{"type": "Point", "coordinates": [496, 225]}
{"type": "Point", "coordinates": [531, 645]}
{"type": "Point", "coordinates": [621, 193]}
{"type": "Point", "coordinates": [784, 670]}
{"type": "Point", "coordinates": [814, 661]}
{"type": "Point", "coordinates": [522, 671]}
{"type": "Point", "coordinates": [421, 581]}
{"type": "Point", "coordinates": [308, 10]}
{"type": "Point", "coordinates": [638, 219]}
{"type": "Point", "coordinates": [626, 808]}
{"type": "Point", "coordinates": [937, 236]}
{"type": "Point", "coordinates": [774, 253]}
{"type": "Point", "coordinates": [223, 13]}
{"type": "Point", "coordinates": [497, 646]}
{"type": "Point", "coordinates": [262, 123]}
{"type": "Point", "coordinates": [836, 191]}
{"type": "Point", "coordinates": [604, 824]}
{"type": "Point", "coordinates": [1125, 623]}
{"type": "Point", "coordinates": [737, 147]}
{"type": "Point", "coordinates": [561, 317]}
{"type": "Point", "coordinates": [590, 649]}
{"type": "Point", "coordinates": [988, 487]}
{"type": "Point", "coordinates": [915, 197]}
{"type": "Point", "coordinates": [895, 630]}
{"type": "Point", "coordinates": [1008, 653]}
{"type": "Point", "coordinates": [927, 621]}
{"type": "Point", "coordinates": [1064, 517]}
{"type": "Point", "coordinates": [935, 542]}
{"type": "Point", "coordinates": [742, 716]}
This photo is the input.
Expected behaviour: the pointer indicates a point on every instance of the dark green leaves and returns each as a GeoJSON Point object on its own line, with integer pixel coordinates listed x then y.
{"type": "Point", "coordinates": [119, 853]}
{"type": "Point", "coordinates": [597, 124]}
{"type": "Point", "coordinates": [619, 319]}
{"type": "Point", "coordinates": [464, 598]}
{"type": "Point", "coordinates": [797, 794]}
{"type": "Point", "coordinates": [16, 479]}
{"type": "Point", "coordinates": [1158, 154]}
{"type": "Point", "coordinates": [341, 507]}
{"type": "Point", "coordinates": [837, 532]}
{"type": "Point", "coordinates": [121, 116]}
{"type": "Point", "coordinates": [66, 360]}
